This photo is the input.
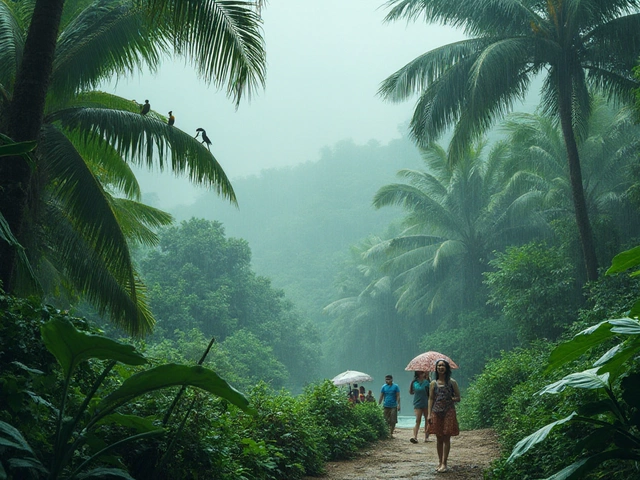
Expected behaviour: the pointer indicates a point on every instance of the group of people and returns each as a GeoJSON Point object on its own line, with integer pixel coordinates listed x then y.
{"type": "Point", "coordinates": [432, 399]}
{"type": "Point", "coordinates": [356, 395]}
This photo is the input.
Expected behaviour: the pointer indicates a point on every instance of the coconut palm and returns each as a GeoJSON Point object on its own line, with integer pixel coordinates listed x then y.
{"type": "Point", "coordinates": [87, 137]}
{"type": "Point", "coordinates": [457, 215]}
{"type": "Point", "coordinates": [575, 44]}
{"type": "Point", "coordinates": [608, 153]}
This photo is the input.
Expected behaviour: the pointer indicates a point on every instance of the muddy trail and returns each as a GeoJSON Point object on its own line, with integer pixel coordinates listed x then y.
{"type": "Point", "coordinates": [397, 458]}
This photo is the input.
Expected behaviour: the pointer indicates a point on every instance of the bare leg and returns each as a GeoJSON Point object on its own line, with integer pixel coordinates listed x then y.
{"type": "Point", "coordinates": [446, 447]}
{"type": "Point", "coordinates": [440, 448]}
{"type": "Point", "coordinates": [416, 427]}
{"type": "Point", "coordinates": [426, 425]}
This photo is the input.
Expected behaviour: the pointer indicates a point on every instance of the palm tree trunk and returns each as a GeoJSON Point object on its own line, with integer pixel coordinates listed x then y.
{"type": "Point", "coordinates": [26, 112]}
{"type": "Point", "coordinates": [575, 174]}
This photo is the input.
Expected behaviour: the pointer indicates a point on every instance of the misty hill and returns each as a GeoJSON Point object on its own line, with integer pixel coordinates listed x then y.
{"type": "Point", "coordinates": [300, 221]}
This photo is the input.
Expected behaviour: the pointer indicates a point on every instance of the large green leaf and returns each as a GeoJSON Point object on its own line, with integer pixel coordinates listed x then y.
{"type": "Point", "coordinates": [589, 379]}
{"type": "Point", "coordinates": [524, 445]}
{"type": "Point", "coordinates": [19, 148]}
{"type": "Point", "coordinates": [171, 375]}
{"type": "Point", "coordinates": [579, 469]}
{"type": "Point", "coordinates": [582, 342]}
{"type": "Point", "coordinates": [71, 347]}
{"type": "Point", "coordinates": [625, 326]}
{"type": "Point", "coordinates": [615, 360]}
{"type": "Point", "coordinates": [11, 437]}
{"type": "Point", "coordinates": [135, 422]}
{"type": "Point", "coordinates": [625, 260]}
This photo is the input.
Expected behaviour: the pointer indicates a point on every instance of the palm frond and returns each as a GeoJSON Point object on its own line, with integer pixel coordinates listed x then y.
{"type": "Point", "coordinates": [146, 141]}
{"type": "Point", "coordinates": [108, 37]}
{"type": "Point", "coordinates": [223, 39]}
{"type": "Point", "coordinates": [86, 204]}
{"type": "Point", "coordinates": [11, 42]}
{"type": "Point", "coordinates": [476, 17]}
{"type": "Point", "coordinates": [105, 163]}
{"type": "Point", "coordinates": [122, 298]}
{"type": "Point", "coordinates": [139, 221]}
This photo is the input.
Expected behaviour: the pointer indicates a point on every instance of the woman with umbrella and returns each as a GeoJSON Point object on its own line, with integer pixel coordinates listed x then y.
{"type": "Point", "coordinates": [420, 390]}
{"type": "Point", "coordinates": [442, 420]}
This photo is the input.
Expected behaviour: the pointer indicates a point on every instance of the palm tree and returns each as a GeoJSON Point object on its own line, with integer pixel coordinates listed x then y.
{"type": "Point", "coordinates": [607, 154]}
{"type": "Point", "coordinates": [575, 44]}
{"type": "Point", "coordinates": [457, 215]}
{"type": "Point", "coordinates": [65, 194]}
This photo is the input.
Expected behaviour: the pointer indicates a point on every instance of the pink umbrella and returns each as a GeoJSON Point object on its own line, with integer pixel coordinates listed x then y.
{"type": "Point", "coordinates": [426, 362]}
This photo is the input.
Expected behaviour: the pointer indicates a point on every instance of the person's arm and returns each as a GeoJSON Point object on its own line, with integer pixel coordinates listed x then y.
{"type": "Point", "coordinates": [398, 398]}
{"type": "Point", "coordinates": [430, 406]}
{"type": "Point", "coordinates": [411, 390]}
{"type": "Point", "coordinates": [456, 391]}
{"type": "Point", "coordinates": [381, 398]}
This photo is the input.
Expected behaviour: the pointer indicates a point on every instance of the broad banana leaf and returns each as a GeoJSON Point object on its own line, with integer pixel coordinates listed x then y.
{"type": "Point", "coordinates": [71, 347]}
{"type": "Point", "coordinates": [171, 375]}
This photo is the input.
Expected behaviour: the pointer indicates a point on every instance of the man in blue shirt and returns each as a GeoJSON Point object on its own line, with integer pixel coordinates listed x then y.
{"type": "Point", "coordinates": [390, 393]}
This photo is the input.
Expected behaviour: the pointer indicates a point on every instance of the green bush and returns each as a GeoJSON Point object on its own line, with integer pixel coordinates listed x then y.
{"type": "Point", "coordinates": [344, 427]}
{"type": "Point", "coordinates": [282, 436]}
{"type": "Point", "coordinates": [484, 401]}
{"type": "Point", "coordinates": [287, 432]}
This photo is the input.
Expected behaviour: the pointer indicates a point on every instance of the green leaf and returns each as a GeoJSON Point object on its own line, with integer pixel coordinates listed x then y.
{"type": "Point", "coordinates": [569, 471]}
{"type": "Point", "coordinates": [579, 469]}
{"type": "Point", "coordinates": [171, 375]}
{"type": "Point", "coordinates": [625, 326]}
{"type": "Point", "coordinates": [614, 363]}
{"type": "Point", "coordinates": [11, 437]}
{"type": "Point", "coordinates": [103, 473]}
{"type": "Point", "coordinates": [611, 353]}
{"type": "Point", "coordinates": [71, 347]}
{"type": "Point", "coordinates": [589, 379]}
{"type": "Point", "coordinates": [29, 463]}
{"type": "Point", "coordinates": [19, 148]}
{"type": "Point", "coordinates": [624, 261]}
{"type": "Point", "coordinates": [139, 424]}
{"type": "Point", "coordinates": [595, 408]}
{"type": "Point", "coordinates": [635, 310]}
{"type": "Point", "coordinates": [524, 445]}
{"type": "Point", "coordinates": [581, 342]}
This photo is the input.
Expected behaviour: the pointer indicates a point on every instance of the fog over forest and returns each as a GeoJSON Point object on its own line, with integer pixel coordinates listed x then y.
{"type": "Point", "coordinates": [306, 155]}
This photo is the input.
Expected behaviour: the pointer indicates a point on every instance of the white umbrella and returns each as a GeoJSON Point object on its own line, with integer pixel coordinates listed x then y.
{"type": "Point", "coordinates": [351, 376]}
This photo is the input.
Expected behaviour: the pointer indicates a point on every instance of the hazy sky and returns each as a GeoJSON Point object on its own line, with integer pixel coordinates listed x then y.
{"type": "Point", "coordinates": [326, 61]}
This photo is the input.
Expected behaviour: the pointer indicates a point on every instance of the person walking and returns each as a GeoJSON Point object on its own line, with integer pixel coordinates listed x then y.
{"type": "Point", "coordinates": [420, 390]}
{"type": "Point", "coordinates": [441, 417]}
{"type": "Point", "coordinates": [390, 394]}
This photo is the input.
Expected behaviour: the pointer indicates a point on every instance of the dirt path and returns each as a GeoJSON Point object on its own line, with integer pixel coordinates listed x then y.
{"type": "Point", "coordinates": [398, 458]}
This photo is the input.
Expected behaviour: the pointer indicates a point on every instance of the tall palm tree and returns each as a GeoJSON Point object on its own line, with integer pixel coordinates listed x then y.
{"type": "Point", "coordinates": [457, 215]}
{"type": "Point", "coordinates": [608, 152]}
{"type": "Point", "coordinates": [574, 44]}
{"type": "Point", "coordinates": [86, 138]}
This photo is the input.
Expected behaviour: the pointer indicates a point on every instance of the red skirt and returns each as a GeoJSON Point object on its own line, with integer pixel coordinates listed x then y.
{"type": "Point", "coordinates": [446, 424]}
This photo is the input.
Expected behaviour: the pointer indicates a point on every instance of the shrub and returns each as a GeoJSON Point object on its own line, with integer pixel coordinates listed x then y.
{"type": "Point", "coordinates": [484, 401]}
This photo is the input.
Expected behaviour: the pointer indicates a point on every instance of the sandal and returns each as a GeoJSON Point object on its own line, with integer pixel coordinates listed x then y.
{"type": "Point", "coordinates": [413, 440]}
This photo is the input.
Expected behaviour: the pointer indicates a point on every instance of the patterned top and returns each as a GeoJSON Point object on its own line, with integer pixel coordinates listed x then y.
{"type": "Point", "coordinates": [443, 400]}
